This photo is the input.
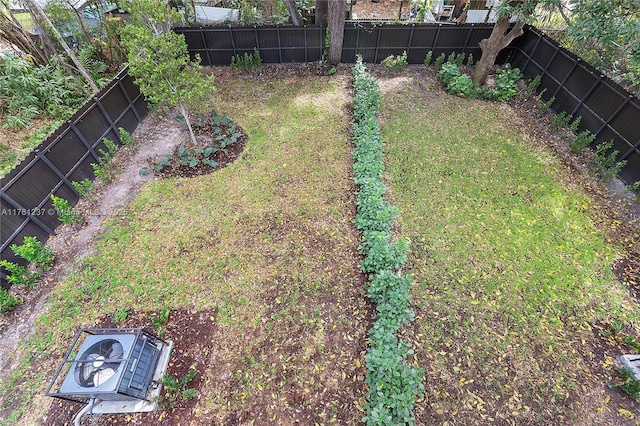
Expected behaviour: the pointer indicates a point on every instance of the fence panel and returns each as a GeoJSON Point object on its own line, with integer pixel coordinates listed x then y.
{"type": "Point", "coordinates": [374, 41]}
{"type": "Point", "coordinates": [607, 110]}
{"type": "Point", "coordinates": [64, 157]}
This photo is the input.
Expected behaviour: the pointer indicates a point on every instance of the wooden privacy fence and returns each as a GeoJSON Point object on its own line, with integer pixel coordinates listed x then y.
{"type": "Point", "coordinates": [374, 41]}
{"type": "Point", "coordinates": [607, 110]}
{"type": "Point", "coordinates": [64, 157]}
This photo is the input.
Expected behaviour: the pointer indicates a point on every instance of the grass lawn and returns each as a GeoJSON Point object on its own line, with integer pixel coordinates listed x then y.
{"type": "Point", "coordinates": [264, 250]}
{"type": "Point", "coordinates": [513, 275]}
{"type": "Point", "coordinates": [516, 306]}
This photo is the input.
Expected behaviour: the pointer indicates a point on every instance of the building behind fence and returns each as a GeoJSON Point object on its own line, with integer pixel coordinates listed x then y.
{"type": "Point", "coordinates": [607, 110]}
{"type": "Point", "coordinates": [64, 157]}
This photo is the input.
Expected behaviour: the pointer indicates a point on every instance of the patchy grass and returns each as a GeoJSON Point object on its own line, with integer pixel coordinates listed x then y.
{"type": "Point", "coordinates": [513, 275]}
{"type": "Point", "coordinates": [267, 243]}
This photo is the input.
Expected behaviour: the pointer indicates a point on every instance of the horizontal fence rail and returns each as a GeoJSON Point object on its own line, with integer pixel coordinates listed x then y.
{"type": "Point", "coordinates": [607, 110]}
{"type": "Point", "coordinates": [374, 41]}
{"type": "Point", "coordinates": [64, 157]}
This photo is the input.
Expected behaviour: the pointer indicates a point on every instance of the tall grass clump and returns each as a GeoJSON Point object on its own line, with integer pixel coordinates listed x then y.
{"type": "Point", "coordinates": [394, 384]}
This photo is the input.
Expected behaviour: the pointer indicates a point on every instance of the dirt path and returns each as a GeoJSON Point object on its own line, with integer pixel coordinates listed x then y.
{"type": "Point", "coordinates": [156, 135]}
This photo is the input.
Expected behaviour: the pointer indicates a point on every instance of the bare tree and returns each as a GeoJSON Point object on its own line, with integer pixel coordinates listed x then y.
{"type": "Point", "coordinates": [337, 11]}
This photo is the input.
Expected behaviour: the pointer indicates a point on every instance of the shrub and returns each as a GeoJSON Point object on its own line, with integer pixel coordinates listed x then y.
{"type": "Point", "coordinates": [548, 104]}
{"type": "Point", "coordinates": [65, 212]}
{"type": "Point", "coordinates": [440, 60]}
{"type": "Point", "coordinates": [395, 63]}
{"type": "Point", "coordinates": [427, 58]}
{"type": "Point", "coordinates": [394, 385]}
{"type": "Point", "coordinates": [561, 120]}
{"type": "Point", "coordinates": [533, 85]}
{"type": "Point", "coordinates": [604, 164]}
{"type": "Point", "coordinates": [8, 301]}
{"type": "Point", "coordinates": [582, 141]}
{"type": "Point", "coordinates": [506, 84]}
{"type": "Point", "coordinates": [248, 61]}
{"type": "Point", "coordinates": [33, 251]}
{"type": "Point", "coordinates": [575, 124]}
{"type": "Point", "coordinates": [18, 274]}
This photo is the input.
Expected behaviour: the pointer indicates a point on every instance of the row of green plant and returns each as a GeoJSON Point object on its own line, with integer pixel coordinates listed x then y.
{"type": "Point", "coordinates": [504, 88]}
{"type": "Point", "coordinates": [394, 384]}
{"type": "Point", "coordinates": [603, 164]}
{"type": "Point", "coordinates": [39, 259]}
{"type": "Point", "coordinates": [459, 59]}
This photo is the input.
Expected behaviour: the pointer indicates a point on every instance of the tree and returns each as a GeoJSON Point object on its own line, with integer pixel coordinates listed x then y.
{"type": "Point", "coordinates": [322, 10]}
{"type": "Point", "coordinates": [159, 60]}
{"type": "Point", "coordinates": [502, 34]}
{"type": "Point", "coordinates": [608, 33]}
{"type": "Point", "coordinates": [294, 13]}
{"type": "Point", "coordinates": [13, 33]}
{"type": "Point", "coordinates": [42, 17]}
{"type": "Point", "coordinates": [337, 10]}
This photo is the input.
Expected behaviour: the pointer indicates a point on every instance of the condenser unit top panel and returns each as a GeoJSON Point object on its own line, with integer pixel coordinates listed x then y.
{"type": "Point", "coordinates": [100, 364]}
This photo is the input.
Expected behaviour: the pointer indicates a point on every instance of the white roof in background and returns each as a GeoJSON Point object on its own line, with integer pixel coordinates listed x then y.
{"type": "Point", "coordinates": [206, 14]}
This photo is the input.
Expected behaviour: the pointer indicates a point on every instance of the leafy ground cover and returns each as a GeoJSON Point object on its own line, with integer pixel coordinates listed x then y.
{"type": "Point", "coordinates": [257, 263]}
{"type": "Point", "coordinates": [517, 308]}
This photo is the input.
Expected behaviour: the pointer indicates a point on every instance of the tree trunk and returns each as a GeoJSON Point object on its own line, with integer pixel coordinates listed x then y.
{"type": "Point", "coordinates": [322, 10]}
{"type": "Point", "coordinates": [36, 9]}
{"type": "Point", "coordinates": [15, 35]}
{"type": "Point", "coordinates": [294, 13]}
{"type": "Point", "coordinates": [336, 23]}
{"type": "Point", "coordinates": [491, 47]}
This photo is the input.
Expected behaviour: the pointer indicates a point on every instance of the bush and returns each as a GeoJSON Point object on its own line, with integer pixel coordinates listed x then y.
{"type": "Point", "coordinates": [34, 252]}
{"type": "Point", "coordinates": [248, 61]}
{"type": "Point", "coordinates": [582, 141]}
{"type": "Point", "coordinates": [8, 301]}
{"type": "Point", "coordinates": [395, 63]}
{"type": "Point", "coordinates": [461, 84]}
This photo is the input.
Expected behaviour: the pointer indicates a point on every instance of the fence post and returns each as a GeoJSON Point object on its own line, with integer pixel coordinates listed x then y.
{"type": "Point", "coordinates": [204, 43]}
{"type": "Point", "coordinates": [55, 170]}
{"type": "Point", "coordinates": [566, 77]}
{"type": "Point", "coordinates": [306, 49]}
{"type": "Point", "coordinates": [466, 42]}
{"type": "Point", "coordinates": [233, 42]}
{"type": "Point", "coordinates": [435, 40]}
{"type": "Point", "coordinates": [355, 51]}
{"type": "Point", "coordinates": [255, 31]}
{"type": "Point", "coordinates": [279, 46]}
{"type": "Point", "coordinates": [84, 141]}
{"type": "Point", "coordinates": [614, 115]}
{"type": "Point", "coordinates": [591, 90]}
{"type": "Point", "coordinates": [375, 57]}
{"type": "Point", "coordinates": [535, 47]}
{"type": "Point", "coordinates": [413, 26]}
{"type": "Point", "coordinates": [126, 96]}
{"type": "Point", "coordinates": [31, 217]}
{"type": "Point", "coordinates": [106, 116]}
